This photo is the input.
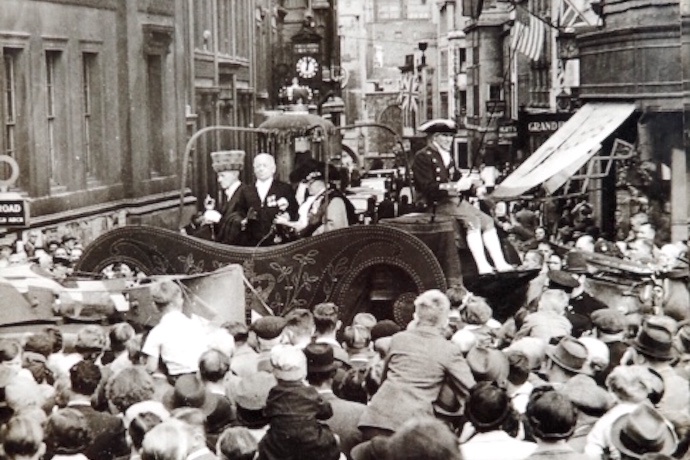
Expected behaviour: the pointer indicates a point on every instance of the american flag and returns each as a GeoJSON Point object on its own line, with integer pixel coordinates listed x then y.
{"type": "Point", "coordinates": [409, 93]}
{"type": "Point", "coordinates": [529, 39]}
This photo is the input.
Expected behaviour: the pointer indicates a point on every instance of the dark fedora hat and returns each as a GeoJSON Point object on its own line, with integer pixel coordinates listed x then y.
{"type": "Point", "coordinates": [643, 431]}
{"type": "Point", "coordinates": [189, 391]}
{"type": "Point", "coordinates": [655, 339]}
{"type": "Point", "coordinates": [570, 354]}
{"type": "Point", "coordinates": [320, 358]}
{"type": "Point", "coordinates": [488, 364]}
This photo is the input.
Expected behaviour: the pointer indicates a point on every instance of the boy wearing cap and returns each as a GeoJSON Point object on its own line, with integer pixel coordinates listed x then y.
{"type": "Point", "coordinates": [268, 332]}
{"type": "Point", "coordinates": [321, 370]}
{"type": "Point", "coordinates": [294, 410]}
{"type": "Point", "coordinates": [610, 326]}
{"type": "Point", "coordinates": [435, 176]}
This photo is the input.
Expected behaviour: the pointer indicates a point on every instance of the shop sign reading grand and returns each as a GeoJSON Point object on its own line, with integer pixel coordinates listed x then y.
{"type": "Point", "coordinates": [14, 210]}
{"type": "Point", "coordinates": [544, 126]}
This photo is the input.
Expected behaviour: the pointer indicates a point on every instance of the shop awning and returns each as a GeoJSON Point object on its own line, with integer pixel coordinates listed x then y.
{"type": "Point", "coordinates": [564, 153]}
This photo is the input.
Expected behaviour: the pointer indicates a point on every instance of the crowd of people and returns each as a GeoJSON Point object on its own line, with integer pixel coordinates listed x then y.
{"type": "Point", "coordinates": [54, 256]}
{"type": "Point", "coordinates": [567, 377]}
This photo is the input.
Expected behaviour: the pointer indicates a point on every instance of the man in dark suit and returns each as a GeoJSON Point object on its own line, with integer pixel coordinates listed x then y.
{"type": "Point", "coordinates": [321, 369]}
{"type": "Point", "coordinates": [224, 226]}
{"type": "Point", "coordinates": [263, 201]}
{"type": "Point", "coordinates": [84, 379]}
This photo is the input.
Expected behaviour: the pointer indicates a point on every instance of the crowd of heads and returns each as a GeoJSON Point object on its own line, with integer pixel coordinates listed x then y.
{"type": "Point", "coordinates": [619, 385]}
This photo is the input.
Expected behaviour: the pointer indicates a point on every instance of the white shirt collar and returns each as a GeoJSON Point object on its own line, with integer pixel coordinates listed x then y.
{"type": "Point", "coordinates": [230, 191]}
{"type": "Point", "coordinates": [262, 187]}
{"type": "Point", "coordinates": [445, 154]}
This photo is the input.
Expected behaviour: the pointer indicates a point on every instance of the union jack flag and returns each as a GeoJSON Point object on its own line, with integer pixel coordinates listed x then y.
{"type": "Point", "coordinates": [576, 13]}
{"type": "Point", "coordinates": [409, 93]}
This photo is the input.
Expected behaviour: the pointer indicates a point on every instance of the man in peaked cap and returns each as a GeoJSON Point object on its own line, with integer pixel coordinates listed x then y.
{"type": "Point", "coordinates": [582, 302]}
{"type": "Point", "coordinates": [225, 226]}
{"type": "Point", "coordinates": [443, 190]}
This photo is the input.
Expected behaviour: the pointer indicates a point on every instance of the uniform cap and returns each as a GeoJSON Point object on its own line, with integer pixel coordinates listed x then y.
{"type": "Point", "coordinates": [559, 279]}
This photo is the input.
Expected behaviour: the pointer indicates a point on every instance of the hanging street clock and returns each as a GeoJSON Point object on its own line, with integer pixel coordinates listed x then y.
{"type": "Point", "coordinates": [307, 67]}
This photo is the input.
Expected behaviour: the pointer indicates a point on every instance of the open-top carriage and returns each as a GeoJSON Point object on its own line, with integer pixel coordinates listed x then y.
{"type": "Point", "coordinates": [375, 268]}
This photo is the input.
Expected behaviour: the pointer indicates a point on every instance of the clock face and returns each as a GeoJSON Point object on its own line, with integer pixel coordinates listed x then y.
{"type": "Point", "coordinates": [307, 67]}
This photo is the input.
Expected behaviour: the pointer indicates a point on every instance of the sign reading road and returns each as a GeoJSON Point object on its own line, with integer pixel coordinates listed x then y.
{"type": "Point", "coordinates": [14, 210]}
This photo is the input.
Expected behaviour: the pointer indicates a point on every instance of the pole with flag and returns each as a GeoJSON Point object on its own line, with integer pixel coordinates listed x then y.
{"type": "Point", "coordinates": [529, 39]}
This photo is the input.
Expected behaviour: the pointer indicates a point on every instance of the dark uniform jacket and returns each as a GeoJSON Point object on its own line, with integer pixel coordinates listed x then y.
{"type": "Point", "coordinates": [429, 172]}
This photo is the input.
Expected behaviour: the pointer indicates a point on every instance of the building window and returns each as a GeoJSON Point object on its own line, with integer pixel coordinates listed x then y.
{"type": "Point", "coordinates": [461, 60]}
{"type": "Point", "coordinates": [387, 10]}
{"type": "Point", "coordinates": [10, 59]}
{"type": "Point", "coordinates": [155, 118]}
{"type": "Point", "coordinates": [10, 66]}
{"type": "Point", "coordinates": [443, 65]}
{"type": "Point", "coordinates": [225, 15]}
{"type": "Point", "coordinates": [418, 9]}
{"type": "Point", "coordinates": [91, 112]}
{"type": "Point", "coordinates": [462, 102]}
{"type": "Point", "coordinates": [54, 112]}
{"type": "Point", "coordinates": [203, 25]}
{"type": "Point", "coordinates": [495, 93]}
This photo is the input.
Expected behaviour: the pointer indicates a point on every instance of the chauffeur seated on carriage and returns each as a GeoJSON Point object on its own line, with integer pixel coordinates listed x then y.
{"type": "Point", "coordinates": [443, 189]}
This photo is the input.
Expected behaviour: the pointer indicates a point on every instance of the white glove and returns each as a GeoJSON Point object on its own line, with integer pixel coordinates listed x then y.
{"type": "Point", "coordinates": [212, 216]}
{"type": "Point", "coordinates": [464, 184]}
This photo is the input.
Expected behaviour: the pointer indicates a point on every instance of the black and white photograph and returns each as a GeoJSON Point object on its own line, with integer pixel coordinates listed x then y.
{"type": "Point", "coordinates": [344, 229]}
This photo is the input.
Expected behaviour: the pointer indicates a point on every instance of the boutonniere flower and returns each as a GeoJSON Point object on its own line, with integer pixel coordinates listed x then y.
{"type": "Point", "coordinates": [271, 201]}
{"type": "Point", "coordinates": [283, 204]}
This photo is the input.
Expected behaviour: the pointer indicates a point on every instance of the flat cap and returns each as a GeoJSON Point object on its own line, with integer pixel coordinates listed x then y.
{"type": "Point", "coordinates": [384, 328]}
{"type": "Point", "coordinates": [608, 320]}
{"type": "Point", "coordinates": [269, 327]}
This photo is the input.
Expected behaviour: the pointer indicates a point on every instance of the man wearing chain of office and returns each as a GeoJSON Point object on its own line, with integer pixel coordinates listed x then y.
{"type": "Point", "coordinates": [442, 188]}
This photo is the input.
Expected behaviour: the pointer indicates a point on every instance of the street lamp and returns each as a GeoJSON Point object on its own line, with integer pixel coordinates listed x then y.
{"type": "Point", "coordinates": [421, 68]}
